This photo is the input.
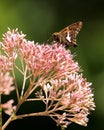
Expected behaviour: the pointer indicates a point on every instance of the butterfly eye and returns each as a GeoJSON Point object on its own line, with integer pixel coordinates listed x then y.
{"type": "Point", "coordinates": [55, 37]}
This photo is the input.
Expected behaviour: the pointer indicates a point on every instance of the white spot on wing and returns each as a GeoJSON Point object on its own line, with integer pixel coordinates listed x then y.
{"type": "Point", "coordinates": [68, 37]}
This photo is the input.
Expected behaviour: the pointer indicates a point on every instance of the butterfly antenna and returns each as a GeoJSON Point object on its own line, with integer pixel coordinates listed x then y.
{"type": "Point", "coordinates": [49, 40]}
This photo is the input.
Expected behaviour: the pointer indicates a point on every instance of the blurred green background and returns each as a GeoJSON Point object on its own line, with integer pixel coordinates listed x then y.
{"type": "Point", "coordinates": [38, 19]}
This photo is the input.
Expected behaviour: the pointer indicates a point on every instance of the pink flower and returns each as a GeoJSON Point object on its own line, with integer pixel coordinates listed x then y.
{"type": "Point", "coordinates": [8, 107]}
{"type": "Point", "coordinates": [11, 42]}
{"type": "Point", "coordinates": [48, 60]}
{"type": "Point", "coordinates": [73, 96]}
{"type": "Point", "coordinates": [5, 64]}
{"type": "Point", "coordinates": [6, 83]}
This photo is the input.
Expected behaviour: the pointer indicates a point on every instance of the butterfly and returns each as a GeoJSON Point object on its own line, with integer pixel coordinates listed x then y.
{"type": "Point", "coordinates": [67, 36]}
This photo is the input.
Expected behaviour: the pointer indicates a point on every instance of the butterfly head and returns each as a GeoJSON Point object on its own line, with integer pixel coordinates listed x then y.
{"type": "Point", "coordinates": [56, 36]}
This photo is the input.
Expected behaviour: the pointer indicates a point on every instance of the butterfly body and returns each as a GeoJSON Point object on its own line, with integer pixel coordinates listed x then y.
{"type": "Point", "coordinates": [67, 36]}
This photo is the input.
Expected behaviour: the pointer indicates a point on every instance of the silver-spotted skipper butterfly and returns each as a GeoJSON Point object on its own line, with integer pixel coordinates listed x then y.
{"type": "Point", "coordinates": [67, 36]}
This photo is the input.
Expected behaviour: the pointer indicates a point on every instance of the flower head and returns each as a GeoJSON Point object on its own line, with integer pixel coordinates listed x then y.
{"type": "Point", "coordinates": [48, 60]}
{"type": "Point", "coordinates": [6, 83]}
{"type": "Point", "coordinates": [5, 64]}
{"type": "Point", "coordinates": [8, 107]}
{"type": "Point", "coordinates": [11, 42]}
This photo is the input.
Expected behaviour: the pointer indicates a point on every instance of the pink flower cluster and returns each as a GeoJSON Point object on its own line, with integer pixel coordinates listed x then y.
{"type": "Point", "coordinates": [72, 95]}
{"type": "Point", "coordinates": [8, 107]}
{"type": "Point", "coordinates": [46, 60]}
{"type": "Point", "coordinates": [6, 83]}
{"type": "Point", "coordinates": [11, 41]}
{"type": "Point", "coordinates": [67, 95]}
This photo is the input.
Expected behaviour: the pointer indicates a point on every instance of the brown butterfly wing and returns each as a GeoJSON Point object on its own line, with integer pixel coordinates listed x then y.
{"type": "Point", "coordinates": [72, 30]}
